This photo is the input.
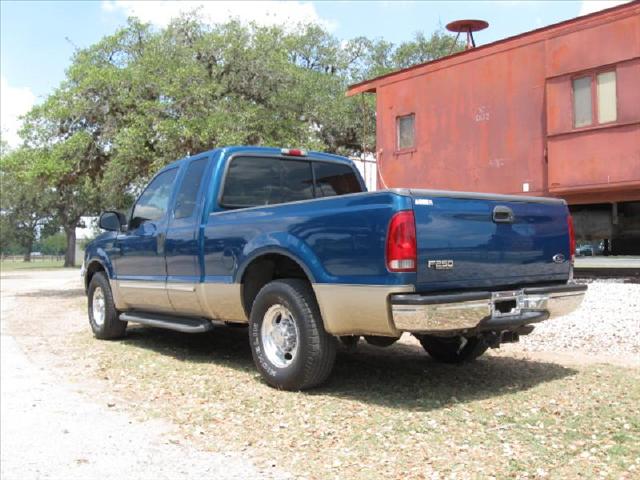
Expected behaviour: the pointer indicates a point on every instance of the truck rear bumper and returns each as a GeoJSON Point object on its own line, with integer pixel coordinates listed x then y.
{"type": "Point", "coordinates": [481, 311]}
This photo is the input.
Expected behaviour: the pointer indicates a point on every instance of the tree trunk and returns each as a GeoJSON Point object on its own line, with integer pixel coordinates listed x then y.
{"type": "Point", "coordinates": [70, 254]}
{"type": "Point", "coordinates": [27, 251]}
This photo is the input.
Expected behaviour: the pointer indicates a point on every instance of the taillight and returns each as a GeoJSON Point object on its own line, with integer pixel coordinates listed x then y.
{"type": "Point", "coordinates": [401, 242]}
{"type": "Point", "coordinates": [572, 237]}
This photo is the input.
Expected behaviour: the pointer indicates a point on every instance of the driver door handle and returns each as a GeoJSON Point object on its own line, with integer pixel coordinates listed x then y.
{"type": "Point", "coordinates": [161, 239]}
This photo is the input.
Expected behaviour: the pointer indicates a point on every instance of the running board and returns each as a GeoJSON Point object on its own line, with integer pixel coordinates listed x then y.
{"type": "Point", "coordinates": [179, 324]}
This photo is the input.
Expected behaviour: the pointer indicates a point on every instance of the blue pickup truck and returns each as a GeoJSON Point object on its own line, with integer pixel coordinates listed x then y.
{"type": "Point", "coordinates": [291, 244]}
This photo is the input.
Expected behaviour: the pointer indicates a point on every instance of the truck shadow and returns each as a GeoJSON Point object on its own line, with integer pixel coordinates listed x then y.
{"type": "Point", "coordinates": [54, 293]}
{"type": "Point", "coordinates": [402, 376]}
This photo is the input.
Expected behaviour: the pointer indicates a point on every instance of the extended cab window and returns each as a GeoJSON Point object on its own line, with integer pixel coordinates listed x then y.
{"type": "Point", "coordinates": [154, 201]}
{"type": "Point", "coordinates": [335, 179]}
{"type": "Point", "coordinates": [254, 181]}
{"type": "Point", "coordinates": [188, 193]}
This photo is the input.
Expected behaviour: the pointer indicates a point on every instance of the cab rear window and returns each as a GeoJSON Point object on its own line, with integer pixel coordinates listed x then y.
{"type": "Point", "coordinates": [257, 181]}
{"type": "Point", "coordinates": [335, 179]}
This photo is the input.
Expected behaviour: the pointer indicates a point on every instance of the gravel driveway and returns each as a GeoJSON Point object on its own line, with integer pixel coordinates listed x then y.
{"type": "Point", "coordinates": [607, 324]}
{"type": "Point", "coordinates": [50, 431]}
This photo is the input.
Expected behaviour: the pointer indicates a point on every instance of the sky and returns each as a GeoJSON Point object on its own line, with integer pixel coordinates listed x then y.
{"type": "Point", "coordinates": [38, 38]}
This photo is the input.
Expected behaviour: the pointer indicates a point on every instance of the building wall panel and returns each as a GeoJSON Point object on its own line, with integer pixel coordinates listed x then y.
{"type": "Point", "coordinates": [500, 118]}
{"type": "Point", "coordinates": [589, 47]}
{"type": "Point", "coordinates": [584, 161]}
{"type": "Point", "coordinates": [478, 125]}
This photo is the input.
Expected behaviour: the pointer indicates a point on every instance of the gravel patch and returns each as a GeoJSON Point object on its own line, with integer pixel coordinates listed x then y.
{"type": "Point", "coordinates": [607, 323]}
{"type": "Point", "coordinates": [51, 430]}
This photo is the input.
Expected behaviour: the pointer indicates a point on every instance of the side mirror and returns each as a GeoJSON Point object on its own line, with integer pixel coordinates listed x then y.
{"type": "Point", "coordinates": [112, 221]}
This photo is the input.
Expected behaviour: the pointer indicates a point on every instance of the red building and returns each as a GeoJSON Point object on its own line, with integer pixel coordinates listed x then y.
{"type": "Point", "coordinates": [554, 111]}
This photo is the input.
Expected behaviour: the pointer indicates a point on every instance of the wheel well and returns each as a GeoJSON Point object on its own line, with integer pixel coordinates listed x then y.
{"type": "Point", "coordinates": [265, 269]}
{"type": "Point", "coordinates": [92, 269]}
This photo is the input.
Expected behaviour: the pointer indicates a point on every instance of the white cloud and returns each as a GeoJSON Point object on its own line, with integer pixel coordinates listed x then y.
{"type": "Point", "coordinates": [160, 12]}
{"type": "Point", "coordinates": [14, 102]}
{"type": "Point", "coordinates": [590, 6]}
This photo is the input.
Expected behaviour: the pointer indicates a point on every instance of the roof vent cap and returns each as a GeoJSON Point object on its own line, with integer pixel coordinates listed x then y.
{"type": "Point", "coordinates": [467, 26]}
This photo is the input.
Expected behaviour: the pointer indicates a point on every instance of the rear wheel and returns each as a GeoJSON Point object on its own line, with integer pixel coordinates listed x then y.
{"type": "Point", "coordinates": [103, 316]}
{"type": "Point", "coordinates": [290, 347]}
{"type": "Point", "coordinates": [453, 349]}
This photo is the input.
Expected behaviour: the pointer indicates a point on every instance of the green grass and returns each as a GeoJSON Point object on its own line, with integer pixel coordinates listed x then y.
{"type": "Point", "coordinates": [385, 413]}
{"type": "Point", "coordinates": [10, 265]}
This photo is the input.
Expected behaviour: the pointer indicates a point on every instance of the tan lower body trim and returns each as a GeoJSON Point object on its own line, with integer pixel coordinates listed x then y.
{"type": "Point", "coordinates": [222, 301]}
{"type": "Point", "coordinates": [357, 309]}
{"type": "Point", "coordinates": [144, 295]}
{"type": "Point", "coordinates": [217, 301]}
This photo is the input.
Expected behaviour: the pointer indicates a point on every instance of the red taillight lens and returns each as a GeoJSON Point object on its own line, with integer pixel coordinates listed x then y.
{"type": "Point", "coordinates": [572, 237]}
{"type": "Point", "coordinates": [401, 242]}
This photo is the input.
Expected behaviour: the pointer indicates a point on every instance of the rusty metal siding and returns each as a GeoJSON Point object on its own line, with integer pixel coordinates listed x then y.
{"type": "Point", "coordinates": [501, 119]}
{"type": "Point", "coordinates": [476, 124]}
{"type": "Point", "coordinates": [597, 158]}
{"type": "Point", "coordinates": [593, 45]}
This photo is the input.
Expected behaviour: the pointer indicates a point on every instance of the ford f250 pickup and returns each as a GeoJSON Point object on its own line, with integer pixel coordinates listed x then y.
{"type": "Point", "coordinates": [291, 244]}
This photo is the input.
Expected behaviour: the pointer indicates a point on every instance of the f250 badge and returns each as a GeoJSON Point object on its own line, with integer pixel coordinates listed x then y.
{"type": "Point", "coordinates": [440, 264]}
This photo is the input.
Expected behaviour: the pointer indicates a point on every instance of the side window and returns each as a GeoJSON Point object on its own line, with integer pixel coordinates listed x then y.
{"type": "Point", "coordinates": [594, 99]}
{"type": "Point", "coordinates": [251, 181]}
{"type": "Point", "coordinates": [607, 99]}
{"type": "Point", "coordinates": [405, 126]}
{"type": "Point", "coordinates": [188, 193]}
{"type": "Point", "coordinates": [255, 181]}
{"type": "Point", "coordinates": [154, 201]}
{"type": "Point", "coordinates": [335, 179]}
{"type": "Point", "coordinates": [582, 102]}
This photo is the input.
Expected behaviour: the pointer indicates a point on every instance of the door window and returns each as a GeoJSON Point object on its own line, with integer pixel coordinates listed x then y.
{"type": "Point", "coordinates": [154, 201]}
{"type": "Point", "coordinates": [188, 193]}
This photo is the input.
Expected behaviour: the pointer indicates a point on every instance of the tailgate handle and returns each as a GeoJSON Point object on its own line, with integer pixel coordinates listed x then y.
{"type": "Point", "coordinates": [502, 214]}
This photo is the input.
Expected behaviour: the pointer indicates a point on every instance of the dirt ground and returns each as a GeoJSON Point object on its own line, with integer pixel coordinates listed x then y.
{"type": "Point", "coordinates": [198, 403]}
{"type": "Point", "coordinates": [58, 423]}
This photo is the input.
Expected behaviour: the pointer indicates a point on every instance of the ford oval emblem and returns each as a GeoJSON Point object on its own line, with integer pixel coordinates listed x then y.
{"type": "Point", "coordinates": [558, 258]}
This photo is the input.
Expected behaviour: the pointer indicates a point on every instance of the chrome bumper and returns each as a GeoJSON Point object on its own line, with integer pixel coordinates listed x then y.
{"type": "Point", "coordinates": [483, 310]}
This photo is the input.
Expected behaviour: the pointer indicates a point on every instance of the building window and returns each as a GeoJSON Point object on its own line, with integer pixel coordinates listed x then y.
{"type": "Point", "coordinates": [603, 97]}
{"type": "Point", "coordinates": [582, 102]}
{"type": "Point", "coordinates": [607, 111]}
{"type": "Point", "coordinates": [406, 131]}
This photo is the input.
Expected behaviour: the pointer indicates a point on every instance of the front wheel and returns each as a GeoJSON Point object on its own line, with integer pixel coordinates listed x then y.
{"type": "Point", "coordinates": [290, 347]}
{"type": "Point", "coordinates": [453, 349]}
{"type": "Point", "coordinates": [103, 316]}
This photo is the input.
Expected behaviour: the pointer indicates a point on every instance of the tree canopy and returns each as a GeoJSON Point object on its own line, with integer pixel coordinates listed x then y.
{"type": "Point", "coordinates": [143, 97]}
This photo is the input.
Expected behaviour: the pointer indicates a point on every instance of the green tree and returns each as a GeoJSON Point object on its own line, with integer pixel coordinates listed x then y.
{"type": "Point", "coordinates": [142, 97]}
{"type": "Point", "coordinates": [55, 244]}
{"type": "Point", "coordinates": [423, 49]}
{"type": "Point", "coordinates": [24, 206]}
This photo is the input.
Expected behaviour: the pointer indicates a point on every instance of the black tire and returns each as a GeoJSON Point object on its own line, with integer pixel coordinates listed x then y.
{"type": "Point", "coordinates": [316, 349]}
{"type": "Point", "coordinates": [111, 327]}
{"type": "Point", "coordinates": [447, 349]}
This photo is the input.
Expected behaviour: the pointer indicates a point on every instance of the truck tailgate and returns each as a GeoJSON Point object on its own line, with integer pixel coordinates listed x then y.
{"type": "Point", "coordinates": [474, 241]}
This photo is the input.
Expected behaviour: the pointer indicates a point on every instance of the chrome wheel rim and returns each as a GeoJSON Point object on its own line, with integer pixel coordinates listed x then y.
{"type": "Point", "coordinates": [98, 307]}
{"type": "Point", "coordinates": [279, 334]}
